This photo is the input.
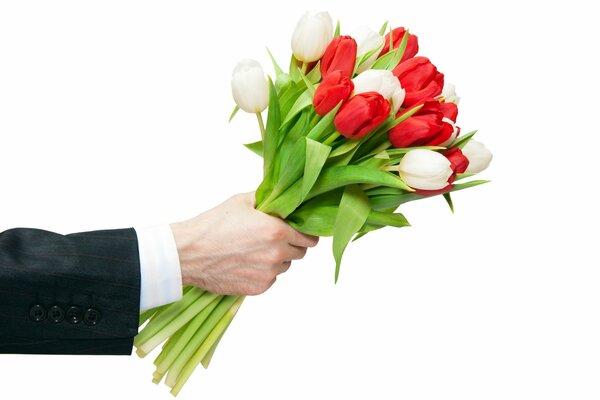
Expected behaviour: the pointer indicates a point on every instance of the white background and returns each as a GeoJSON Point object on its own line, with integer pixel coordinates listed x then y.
{"type": "Point", "coordinates": [114, 114]}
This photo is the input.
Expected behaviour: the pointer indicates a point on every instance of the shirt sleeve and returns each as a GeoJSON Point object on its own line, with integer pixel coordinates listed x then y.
{"type": "Point", "coordinates": [160, 270]}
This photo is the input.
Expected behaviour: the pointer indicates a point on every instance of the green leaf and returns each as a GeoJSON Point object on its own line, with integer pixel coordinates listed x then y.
{"type": "Point", "coordinates": [256, 147]}
{"type": "Point", "coordinates": [316, 155]}
{"type": "Point", "coordinates": [309, 85]}
{"type": "Point", "coordinates": [391, 59]}
{"type": "Point", "coordinates": [345, 147]}
{"type": "Point", "coordinates": [448, 199]}
{"type": "Point", "coordinates": [314, 75]}
{"type": "Point", "coordinates": [466, 185]}
{"type": "Point", "coordinates": [278, 70]}
{"type": "Point", "coordinates": [330, 179]}
{"type": "Point", "coordinates": [383, 61]}
{"type": "Point", "coordinates": [401, 151]}
{"type": "Point", "coordinates": [403, 117]}
{"type": "Point", "coordinates": [383, 28]}
{"type": "Point", "coordinates": [463, 176]}
{"type": "Point", "coordinates": [387, 219]}
{"type": "Point", "coordinates": [317, 221]}
{"type": "Point", "coordinates": [362, 59]}
{"type": "Point", "coordinates": [235, 111]}
{"type": "Point", "coordinates": [378, 137]}
{"type": "Point", "coordinates": [398, 53]}
{"type": "Point", "coordinates": [282, 83]}
{"type": "Point", "coordinates": [293, 167]}
{"type": "Point", "coordinates": [335, 177]}
{"type": "Point", "coordinates": [303, 101]}
{"type": "Point", "coordinates": [461, 141]}
{"type": "Point", "coordinates": [385, 191]}
{"type": "Point", "coordinates": [270, 143]}
{"type": "Point", "coordinates": [336, 33]}
{"type": "Point", "coordinates": [351, 216]}
{"type": "Point", "coordinates": [384, 201]}
{"type": "Point", "coordinates": [324, 125]}
{"type": "Point", "coordinates": [294, 73]}
{"type": "Point", "coordinates": [374, 162]}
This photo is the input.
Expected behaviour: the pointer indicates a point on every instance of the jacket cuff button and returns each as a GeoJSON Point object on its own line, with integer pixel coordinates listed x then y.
{"type": "Point", "coordinates": [37, 313]}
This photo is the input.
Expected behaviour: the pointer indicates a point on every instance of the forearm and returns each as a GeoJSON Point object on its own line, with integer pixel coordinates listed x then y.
{"type": "Point", "coordinates": [68, 294]}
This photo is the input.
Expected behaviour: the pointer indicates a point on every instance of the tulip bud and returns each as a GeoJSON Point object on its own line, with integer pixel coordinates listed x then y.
{"type": "Point", "coordinates": [382, 82]}
{"type": "Point", "coordinates": [412, 45]}
{"type": "Point", "coordinates": [449, 93]}
{"type": "Point", "coordinates": [311, 36]}
{"type": "Point", "coordinates": [361, 114]}
{"type": "Point", "coordinates": [425, 169]}
{"type": "Point", "coordinates": [249, 86]}
{"type": "Point", "coordinates": [420, 78]}
{"type": "Point", "coordinates": [479, 156]}
{"type": "Point", "coordinates": [334, 88]}
{"type": "Point", "coordinates": [367, 41]}
{"type": "Point", "coordinates": [339, 55]}
{"type": "Point", "coordinates": [427, 127]}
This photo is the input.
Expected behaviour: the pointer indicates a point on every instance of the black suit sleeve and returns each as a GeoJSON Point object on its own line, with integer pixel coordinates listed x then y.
{"type": "Point", "coordinates": [69, 294]}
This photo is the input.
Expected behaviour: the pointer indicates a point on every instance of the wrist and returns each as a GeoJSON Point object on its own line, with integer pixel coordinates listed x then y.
{"type": "Point", "coordinates": [189, 243]}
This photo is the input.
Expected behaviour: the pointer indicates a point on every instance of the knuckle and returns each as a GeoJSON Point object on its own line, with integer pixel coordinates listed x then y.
{"type": "Point", "coordinates": [277, 256]}
{"type": "Point", "coordinates": [276, 233]}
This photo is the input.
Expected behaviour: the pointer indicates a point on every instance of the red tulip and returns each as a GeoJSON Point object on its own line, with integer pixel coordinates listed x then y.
{"type": "Point", "coordinates": [458, 162]}
{"type": "Point", "coordinates": [412, 46]}
{"type": "Point", "coordinates": [450, 110]}
{"type": "Point", "coordinates": [334, 88]}
{"type": "Point", "coordinates": [420, 78]}
{"type": "Point", "coordinates": [361, 114]}
{"type": "Point", "coordinates": [339, 55]}
{"type": "Point", "coordinates": [425, 128]}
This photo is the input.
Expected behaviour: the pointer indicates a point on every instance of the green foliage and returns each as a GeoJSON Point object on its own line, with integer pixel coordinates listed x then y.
{"type": "Point", "coordinates": [351, 216]}
{"type": "Point", "coordinates": [235, 111]}
{"type": "Point", "coordinates": [461, 141]}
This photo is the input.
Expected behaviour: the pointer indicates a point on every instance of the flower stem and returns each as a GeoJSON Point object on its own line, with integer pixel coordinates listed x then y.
{"type": "Point", "coordinates": [199, 337]}
{"type": "Point", "coordinates": [178, 322]}
{"type": "Point", "coordinates": [145, 316]}
{"type": "Point", "coordinates": [204, 349]}
{"type": "Point", "coordinates": [304, 68]}
{"type": "Point", "coordinates": [166, 362]}
{"type": "Point", "coordinates": [331, 138]}
{"type": "Point", "coordinates": [207, 359]}
{"type": "Point", "coordinates": [261, 125]}
{"type": "Point", "coordinates": [166, 316]}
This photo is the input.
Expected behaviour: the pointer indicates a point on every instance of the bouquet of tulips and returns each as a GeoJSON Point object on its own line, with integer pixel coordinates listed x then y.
{"type": "Point", "coordinates": [356, 127]}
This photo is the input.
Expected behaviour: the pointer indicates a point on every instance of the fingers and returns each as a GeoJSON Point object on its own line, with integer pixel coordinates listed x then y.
{"type": "Point", "coordinates": [302, 240]}
{"type": "Point", "coordinates": [295, 252]}
{"type": "Point", "coordinates": [283, 267]}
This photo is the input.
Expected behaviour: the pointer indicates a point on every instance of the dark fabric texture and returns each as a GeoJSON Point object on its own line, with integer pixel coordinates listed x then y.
{"type": "Point", "coordinates": [69, 294]}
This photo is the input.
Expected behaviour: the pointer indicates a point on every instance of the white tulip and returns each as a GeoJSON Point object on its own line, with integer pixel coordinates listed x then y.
{"type": "Point", "coordinates": [383, 82]}
{"type": "Point", "coordinates": [425, 169]}
{"type": "Point", "coordinates": [249, 86]}
{"type": "Point", "coordinates": [478, 155]}
{"type": "Point", "coordinates": [311, 36]}
{"type": "Point", "coordinates": [367, 40]}
{"type": "Point", "coordinates": [449, 93]}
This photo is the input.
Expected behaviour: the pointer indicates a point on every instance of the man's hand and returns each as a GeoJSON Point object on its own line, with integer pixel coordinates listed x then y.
{"type": "Point", "coordinates": [235, 249]}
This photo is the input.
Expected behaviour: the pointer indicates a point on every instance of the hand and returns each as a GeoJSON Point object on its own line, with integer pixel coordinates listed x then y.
{"type": "Point", "coordinates": [235, 249]}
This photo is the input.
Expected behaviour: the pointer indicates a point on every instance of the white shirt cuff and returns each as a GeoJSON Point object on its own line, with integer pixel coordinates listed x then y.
{"type": "Point", "coordinates": [159, 267]}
